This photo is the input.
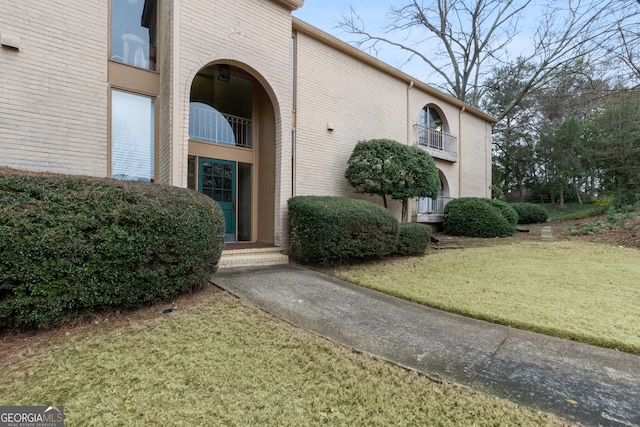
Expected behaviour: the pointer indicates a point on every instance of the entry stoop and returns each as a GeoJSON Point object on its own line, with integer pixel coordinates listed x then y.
{"type": "Point", "coordinates": [252, 256]}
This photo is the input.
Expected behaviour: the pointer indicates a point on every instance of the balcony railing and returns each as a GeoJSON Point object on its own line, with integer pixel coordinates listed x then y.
{"type": "Point", "coordinates": [208, 124]}
{"type": "Point", "coordinates": [429, 206]}
{"type": "Point", "coordinates": [437, 143]}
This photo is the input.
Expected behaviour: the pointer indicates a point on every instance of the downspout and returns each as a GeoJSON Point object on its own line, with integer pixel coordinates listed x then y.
{"type": "Point", "coordinates": [409, 113]}
{"type": "Point", "coordinates": [406, 206]}
{"type": "Point", "coordinates": [177, 143]}
{"type": "Point", "coordinates": [462, 110]}
{"type": "Point", "coordinates": [294, 109]}
{"type": "Point", "coordinates": [487, 162]}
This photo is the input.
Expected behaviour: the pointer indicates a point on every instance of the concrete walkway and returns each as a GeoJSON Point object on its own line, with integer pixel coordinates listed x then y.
{"type": "Point", "coordinates": [582, 383]}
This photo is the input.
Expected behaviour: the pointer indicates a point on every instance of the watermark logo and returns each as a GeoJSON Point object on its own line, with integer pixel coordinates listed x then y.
{"type": "Point", "coordinates": [31, 416]}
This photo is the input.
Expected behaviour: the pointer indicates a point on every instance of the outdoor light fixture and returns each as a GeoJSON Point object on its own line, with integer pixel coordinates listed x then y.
{"type": "Point", "coordinates": [224, 73]}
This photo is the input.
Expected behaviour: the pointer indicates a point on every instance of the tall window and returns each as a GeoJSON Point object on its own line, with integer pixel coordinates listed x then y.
{"type": "Point", "coordinates": [132, 137]}
{"type": "Point", "coordinates": [133, 32]}
{"type": "Point", "coordinates": [430, 118]}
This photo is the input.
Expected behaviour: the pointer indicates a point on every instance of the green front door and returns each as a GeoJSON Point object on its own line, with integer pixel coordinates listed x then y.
{"type": "Point", "coordinates": [217, 179]}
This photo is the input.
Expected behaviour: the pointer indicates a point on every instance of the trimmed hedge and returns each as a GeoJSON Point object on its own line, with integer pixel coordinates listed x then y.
{"type": "Point", "coordinates": [413, 238]}
{"type": "Point", "coordinates": [334, 230]}
{"type": "Point", "coordinates": [70, 245]}
{"type": "Point", "coordinates": [530, 213]}
{"type": "Point", "coordinates": [478, 217]}
{"type": "Point", "coordinates": [506, 210]}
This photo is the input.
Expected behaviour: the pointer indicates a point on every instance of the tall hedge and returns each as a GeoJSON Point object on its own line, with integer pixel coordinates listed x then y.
{"type": "Point", "coordinates": [478, 217]}
{"type": "Point", "coordinates": [70, 245]}
{"type": "Point", "coordinates": [530, 213]}
{"type": "Point", "coordinates": [333, 230]}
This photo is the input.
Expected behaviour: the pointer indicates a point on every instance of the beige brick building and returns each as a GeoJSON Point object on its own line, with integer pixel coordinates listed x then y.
{"type": "Point", "coordinates": [237, 100]}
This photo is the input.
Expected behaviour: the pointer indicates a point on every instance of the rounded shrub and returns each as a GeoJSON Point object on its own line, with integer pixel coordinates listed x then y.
{"type": "Point", "coordinates": [530, 213]}
{"type": "Point", "coordinates": [477, 217]}
{"type": "Point", "coordinates": [506, 210]}
{"type": "Point", "coordinates": [70, 245]}
{"type": "Point", "coordinates": [333, 230]}
{"type": "Point", "coordinates": [413, 238]}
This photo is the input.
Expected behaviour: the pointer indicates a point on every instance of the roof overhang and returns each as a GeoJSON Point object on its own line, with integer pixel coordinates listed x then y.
{"type": "Point", "coordinates": [290, 4]}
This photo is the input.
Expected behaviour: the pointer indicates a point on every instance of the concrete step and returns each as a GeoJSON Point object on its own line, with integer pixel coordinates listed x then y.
{"type": "Point", "coordinates": [252, 257]}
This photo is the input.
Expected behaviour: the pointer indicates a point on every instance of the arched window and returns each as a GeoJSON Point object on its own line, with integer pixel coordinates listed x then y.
{"type": "Point", "coordinates": [430, 118]}
{"type": "Point", "coordinates": [431, 129]}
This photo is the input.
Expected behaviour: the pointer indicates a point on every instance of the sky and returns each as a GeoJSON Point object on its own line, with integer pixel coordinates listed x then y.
{"type": "Point", "coordinates": [327, 14]}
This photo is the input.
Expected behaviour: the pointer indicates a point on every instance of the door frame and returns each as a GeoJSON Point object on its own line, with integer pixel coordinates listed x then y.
{"type": "Point", "coordinates": [227, 198]}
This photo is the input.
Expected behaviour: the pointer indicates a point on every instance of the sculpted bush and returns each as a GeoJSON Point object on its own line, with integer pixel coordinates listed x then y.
{"type": "Point", "coordinates": [478, 217]}
{"type": "Point", "coordinates": [413, 238]}
{"type": "Point", "coordinates": [70, 245]}
{"type": "Point", "coordinates": [333, 230]}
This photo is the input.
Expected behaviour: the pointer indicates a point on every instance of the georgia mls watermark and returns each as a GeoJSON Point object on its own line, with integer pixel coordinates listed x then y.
{"type": "Point", "coordinates": [31, 416]}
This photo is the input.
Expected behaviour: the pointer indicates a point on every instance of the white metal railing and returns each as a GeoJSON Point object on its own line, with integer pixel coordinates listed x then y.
{"type": "Point", "coordinates": [436, 140]}
{"type": "Point", "coordinates": [208, 124]}
{"type": "Point", "coordinates": [241, 128]}
{"type": "Point", "coordinates": [430, 206]}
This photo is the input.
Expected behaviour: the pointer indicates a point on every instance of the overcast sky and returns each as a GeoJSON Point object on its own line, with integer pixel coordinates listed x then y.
{"type": "Point", "coordinates": [327, 14]}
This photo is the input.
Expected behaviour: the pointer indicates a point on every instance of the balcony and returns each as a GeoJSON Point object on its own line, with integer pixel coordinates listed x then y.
{"type": "Point", "coordinates": [431, 210]}
{"type": "Point", "coordinates": [207, 124]}
{"type": "Point", "coordinates": [438, 144]}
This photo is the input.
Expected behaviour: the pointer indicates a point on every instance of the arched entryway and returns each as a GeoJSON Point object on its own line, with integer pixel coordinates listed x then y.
{"type": "Point", "coordinates": [232, 149]}
{"type": "Point", "coordinates": [432, 207]}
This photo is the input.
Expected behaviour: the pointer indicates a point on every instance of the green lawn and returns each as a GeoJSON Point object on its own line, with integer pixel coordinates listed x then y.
{"type": "Point", "coordinates": [573, 211]}
{"type": "Point", "coordinates": [222, 362]}
{"type": "Point", "coordinates": [575, 290]}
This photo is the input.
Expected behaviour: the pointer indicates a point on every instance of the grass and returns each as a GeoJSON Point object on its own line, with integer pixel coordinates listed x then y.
{"type": "Point", "coordinates": [572, 211]}
{"type": "Point", "coordinates": [222, 362]}
{"type": "Point", "coordinates": [581, 291]}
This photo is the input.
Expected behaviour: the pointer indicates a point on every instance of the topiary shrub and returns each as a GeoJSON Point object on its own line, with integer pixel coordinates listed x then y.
{"type": "Point", "coordinates": [506, 210]}
{"type": "Point", "coordinates": [476, 217]}
{"type": "Point", "coordinates": [413, 238]}
{"type": "Point", "coordinates": [530, 213]}
{"type": "Point", "coordinates": [70, 245]}
{"type": "Point", "coordinates": [333, 230]}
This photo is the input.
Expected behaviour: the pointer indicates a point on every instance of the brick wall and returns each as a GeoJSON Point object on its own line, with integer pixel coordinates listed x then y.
{"type": "Point", "coordinates": [363, 102]}
{"type": "Point", "coordinates": [254, 35]}
{"type": "Point", "coordinates": [53, 91]}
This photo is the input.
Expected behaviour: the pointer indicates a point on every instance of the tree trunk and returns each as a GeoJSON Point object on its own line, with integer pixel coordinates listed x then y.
{"type": "Point", "coordinates": [575, 183]}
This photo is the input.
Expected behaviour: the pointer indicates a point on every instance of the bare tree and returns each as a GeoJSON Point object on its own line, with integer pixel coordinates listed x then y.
{"type": "Point", "coordinates": [626, 48]}
{"type": "Point", "coordinates": [461, 40]}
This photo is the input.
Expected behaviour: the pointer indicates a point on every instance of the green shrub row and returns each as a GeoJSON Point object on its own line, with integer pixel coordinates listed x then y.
{"type": "Point", "coordinates": [413, 238]}
{"type": "Point", "coordinates": [479, 217]}
{"type": "Point", "coordinates": [530, 213]}
{"type": "Point", "coordinates": [333, 230]}
{"type": "Point", "coordinates": [70, 245]}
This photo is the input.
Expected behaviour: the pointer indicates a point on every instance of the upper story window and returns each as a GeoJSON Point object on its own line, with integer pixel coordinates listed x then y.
{"type": "Point", "coordinates": [134, 32]}
{"type": "Point", "coordinates": [430, 118]}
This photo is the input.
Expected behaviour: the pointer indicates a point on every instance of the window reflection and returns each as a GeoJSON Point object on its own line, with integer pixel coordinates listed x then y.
{"type": "Point", "coordinates": [133, 32]}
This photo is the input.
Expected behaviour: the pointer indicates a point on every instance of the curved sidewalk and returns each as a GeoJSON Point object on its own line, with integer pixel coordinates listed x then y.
{"type": "Point", "coordinates": [579, 382]}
